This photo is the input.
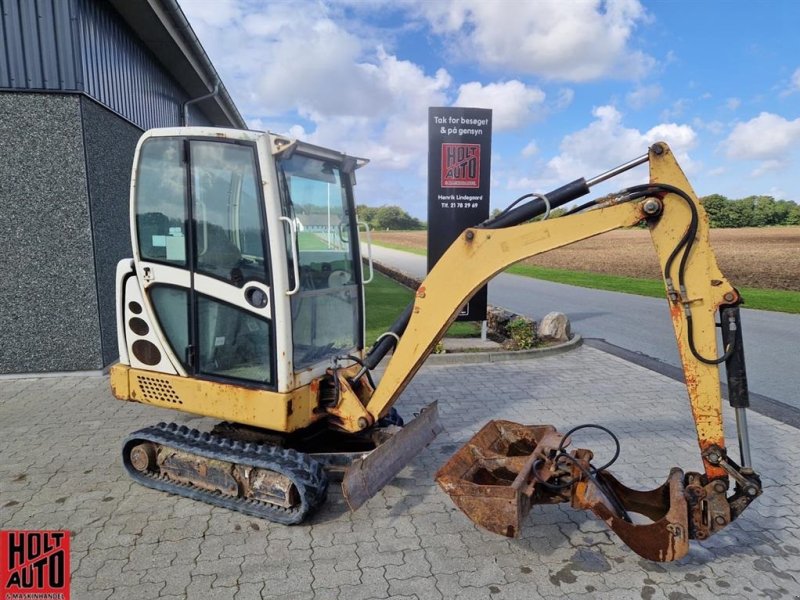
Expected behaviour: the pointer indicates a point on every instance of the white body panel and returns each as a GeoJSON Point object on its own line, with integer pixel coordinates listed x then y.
{"type": "Point", "coordinates": [167, 362]}
{"type": "Point", "coordinates": [124, 269]}
{"type": "Point", "coordinates": [278, 310]}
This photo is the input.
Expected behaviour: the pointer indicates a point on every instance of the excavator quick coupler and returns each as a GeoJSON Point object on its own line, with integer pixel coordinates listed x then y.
{"type": "Point", "coordinates": [506, 468]}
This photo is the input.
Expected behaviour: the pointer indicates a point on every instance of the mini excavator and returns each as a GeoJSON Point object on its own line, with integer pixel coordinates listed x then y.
{"type": "Point", "coordinates": [244, 302]}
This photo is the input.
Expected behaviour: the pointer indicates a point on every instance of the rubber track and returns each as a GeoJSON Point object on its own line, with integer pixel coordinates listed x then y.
{"type": "Point", "coordinates": [306, 473]}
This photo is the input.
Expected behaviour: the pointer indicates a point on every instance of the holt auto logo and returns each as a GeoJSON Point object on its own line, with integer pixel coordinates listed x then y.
{"type": "Point", "coordinates": [461, 165]}
{"type": "Point", "coordinates": [34, 565]}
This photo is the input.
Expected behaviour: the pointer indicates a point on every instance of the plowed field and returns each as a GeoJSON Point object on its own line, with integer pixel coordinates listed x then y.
{"type": "Point", "coordinates": [766, 258]}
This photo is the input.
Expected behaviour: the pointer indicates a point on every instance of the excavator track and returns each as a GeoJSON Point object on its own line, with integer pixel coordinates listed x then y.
{"type": "Point", "coordinates": [265, 481]}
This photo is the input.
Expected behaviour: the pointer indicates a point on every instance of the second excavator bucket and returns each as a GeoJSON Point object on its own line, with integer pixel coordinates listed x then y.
{"type": "Point", "coordinates": [366, 476]}
{"type": "Point", "coordinates": [487, 478]}
{"type": "Point", "coordinates": [506, 468]}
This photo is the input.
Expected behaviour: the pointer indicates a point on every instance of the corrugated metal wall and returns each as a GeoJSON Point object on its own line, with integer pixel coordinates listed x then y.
{"type": "Point", "coordinates": [38, 45]}
{"type": "Point", "coordinates": [83, 45]}
{"type": "Point", "coordinates": [121, 73]}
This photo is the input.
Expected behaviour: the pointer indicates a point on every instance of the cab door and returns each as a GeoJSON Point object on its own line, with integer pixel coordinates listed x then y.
{"type": "Point", "coordinates": [203, 263]}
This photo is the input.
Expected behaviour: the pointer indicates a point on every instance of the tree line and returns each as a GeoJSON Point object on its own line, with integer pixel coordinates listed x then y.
{"type": "Point", "coordinates": [388, 217]}
{"type": "Point", "coordinates": [752, 211]}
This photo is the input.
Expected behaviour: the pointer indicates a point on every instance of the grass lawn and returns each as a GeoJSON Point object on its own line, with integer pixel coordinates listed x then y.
{"type": "Point", "coordinates": [308, 240]}
{"type": "Point", "coordinates": [386, 299]}
{"type": "Point", "coordinates": [776, 300]}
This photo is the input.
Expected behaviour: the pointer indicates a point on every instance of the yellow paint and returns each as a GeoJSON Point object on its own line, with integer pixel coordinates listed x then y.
{"type": "Point", "coordinates": [702, 380]}
{"type": "Point", "coordinates": [465, 267]}
{"type": "Point", "coordinates": [250, 406]}
{"type": "Point", "coordinates": [118, 376]}
{"type": "Point", "coordinates": [468, 264]}
{"type": "Point", "coordinates": [349, 414]}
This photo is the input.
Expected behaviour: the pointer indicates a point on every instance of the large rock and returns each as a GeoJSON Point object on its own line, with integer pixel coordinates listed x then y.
{"type": "Point", "coordinates": [555, 327]}
{"type": "Point", "coordinates": [498, 320]}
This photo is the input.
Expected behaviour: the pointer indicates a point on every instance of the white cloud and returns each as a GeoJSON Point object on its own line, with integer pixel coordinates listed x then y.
{"type": "Point", "coordinates": [643, 95]}
{"type": "Point", "coordinates": [675, 110]}
{"type": "Point", "coordinates": [794, 84]}
{"type": "Point", "coordinates": [296, 56]}
{"type": "Point", "coordinates": [733, 103]}
{"type": "Point", "coordinates": [218, 13]}
{"type": "Point", "coordinates": [767, 136]}
{"type": "Point", "coordinates": [606, 142]}
{"type": "Point", "coordinates": [512, 102]}
{"type": "Point", "coordinates": [768, 166]}
{"type": "Point", "coordinates": [301, 59]}
{"type": "Point", "coordinates": [531, 149]}
{"type": "Point", "coordinates": [565, 98]}
{"type": "Point", "coordinates": [581, 40]}
{"type": "Point", "coordinates": [716, 172]}
{"type": "Point", "coordinates": [300, 68]}
{"type": "Point", "coordinates": [715, 127]}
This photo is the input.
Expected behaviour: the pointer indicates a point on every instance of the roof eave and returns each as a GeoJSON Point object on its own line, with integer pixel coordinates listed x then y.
{"type": "Point", "coordinates": [164, 29]}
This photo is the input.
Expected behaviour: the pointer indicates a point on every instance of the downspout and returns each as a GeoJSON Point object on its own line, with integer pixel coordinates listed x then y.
{"type": "Point", "coordinates": [185, 119]}
{"type": "Point", "coordinates": [181, 24]}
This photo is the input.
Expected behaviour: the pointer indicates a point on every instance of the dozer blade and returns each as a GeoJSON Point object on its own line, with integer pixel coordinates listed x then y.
{"type": "Point", "coordinates": [506, 468]}
{"type": "Point", "coordinates": [367, 476]}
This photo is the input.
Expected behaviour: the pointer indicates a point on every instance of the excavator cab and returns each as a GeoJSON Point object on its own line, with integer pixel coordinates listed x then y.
{"type": "Point", "coordinates": [246, 255]}
{"type": "Point", "coordinates": [244, 302]}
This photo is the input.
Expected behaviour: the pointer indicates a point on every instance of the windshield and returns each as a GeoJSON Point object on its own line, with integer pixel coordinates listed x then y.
{"type": "Point", "coordinates": [325, 310]}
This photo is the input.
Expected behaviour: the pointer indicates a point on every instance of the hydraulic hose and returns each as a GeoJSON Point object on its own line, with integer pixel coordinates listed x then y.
{"type": "Point", "coordinates": [508, 218]}
{"type": "Point", "coordinates": [526, 212]}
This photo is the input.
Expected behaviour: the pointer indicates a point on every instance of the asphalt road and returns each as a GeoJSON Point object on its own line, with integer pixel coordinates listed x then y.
{"type": "Point", "coordinates": [641, 324]}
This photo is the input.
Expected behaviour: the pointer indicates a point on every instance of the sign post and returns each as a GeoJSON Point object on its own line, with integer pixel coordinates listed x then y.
{"type": "Point", "coordinates": [459, 165]}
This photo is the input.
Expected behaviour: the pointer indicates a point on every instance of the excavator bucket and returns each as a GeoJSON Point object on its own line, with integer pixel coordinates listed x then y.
{"type": "Point", "coordinates": [506, 468]}
{"type": "Point", "coordinates": [368, 475]}
{"type": "Point", "coordinates": [488, 477]}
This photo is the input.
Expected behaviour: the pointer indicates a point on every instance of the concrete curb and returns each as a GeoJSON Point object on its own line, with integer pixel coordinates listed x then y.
{"type": "Point", "coordinates": [464, 358]}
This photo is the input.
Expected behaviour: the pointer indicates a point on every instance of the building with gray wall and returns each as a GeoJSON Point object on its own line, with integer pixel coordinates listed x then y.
{"type": "Point", "coordinates": [80, 80]}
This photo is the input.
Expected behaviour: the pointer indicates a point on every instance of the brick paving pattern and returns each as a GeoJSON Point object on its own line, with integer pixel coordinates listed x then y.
{"type": "Point", "coordinates": [60, 441]}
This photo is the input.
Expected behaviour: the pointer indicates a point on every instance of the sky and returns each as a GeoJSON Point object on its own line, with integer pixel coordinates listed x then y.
{"type": "Point", "coordinates": [576, 86]}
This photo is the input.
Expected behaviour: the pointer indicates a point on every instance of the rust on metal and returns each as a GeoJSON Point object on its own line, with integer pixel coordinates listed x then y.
{"type": "Point", "coordinates": [507, 467]}
{"type": "Point", "coordinates": [666, 538]}
{"type": "Point", "coordinates": [118, 376]}
{"type": "Point", "coordinates": [491, 477]}
{"type": "Point", "coordinates": [366, 476]}
{"type": "Point", "coordinates": [206, 473]}
{"type": "Point", "coordinates": [238, 481]}
{"type": "Point", "coordinates": [143, 457]}
{"type": "Point", "coordinates": [267, 486]}
{"type": "Point", "coordinates": [278, 411]}
{"type": "Point", "coordinates": [349, 413]}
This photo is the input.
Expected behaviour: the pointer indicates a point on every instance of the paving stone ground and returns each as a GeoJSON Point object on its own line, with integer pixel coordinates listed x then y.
{"type": "Point", "coordinates": [60, 441]}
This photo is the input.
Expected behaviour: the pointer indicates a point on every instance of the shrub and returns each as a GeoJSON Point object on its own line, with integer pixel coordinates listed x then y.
{"type": "Point", "coordinates": [521, 332]}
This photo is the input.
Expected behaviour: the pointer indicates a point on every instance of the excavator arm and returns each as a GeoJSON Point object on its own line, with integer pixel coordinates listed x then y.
{"type": "Point", "coordinates": [687, 506]}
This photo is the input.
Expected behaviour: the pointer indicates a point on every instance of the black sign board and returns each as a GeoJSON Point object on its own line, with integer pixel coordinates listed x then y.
{"type": "Point", "coordinates": [459, 164]}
